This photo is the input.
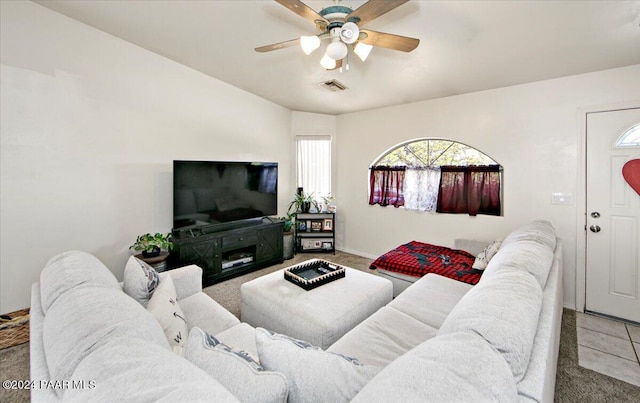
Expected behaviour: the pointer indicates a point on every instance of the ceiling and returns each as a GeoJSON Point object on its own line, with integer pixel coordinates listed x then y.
{"type": "Point", "coordinates": [465, 46]}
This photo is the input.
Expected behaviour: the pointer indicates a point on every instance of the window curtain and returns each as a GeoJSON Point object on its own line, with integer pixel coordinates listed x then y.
{"type": "Point", "coordinates": [421, 186]}
{"type": "Point", "coordinates": [386, 186]}
{"type": "Point", "coordinates": [472, 190]}
{"type": "Point", "coordinates": [313, 157]}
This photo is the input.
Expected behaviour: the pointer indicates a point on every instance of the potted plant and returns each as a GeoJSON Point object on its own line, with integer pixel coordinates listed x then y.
{"type": "Point", "coordinates": [302, 203]}
{"type": "Point", "coordinates": [151, 245]}
{"type": "Point", "coordinates": [288, 222]}
{"type": "Point", "coordinates": [287, 236]}
{"type": "Point", "coordinates": [326, 202]}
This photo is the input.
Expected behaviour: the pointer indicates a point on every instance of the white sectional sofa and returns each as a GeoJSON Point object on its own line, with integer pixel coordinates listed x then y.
{"type": "Point", "coordinates": [440, 340]}
{"type": "Point", "coordinates": [515, 309]}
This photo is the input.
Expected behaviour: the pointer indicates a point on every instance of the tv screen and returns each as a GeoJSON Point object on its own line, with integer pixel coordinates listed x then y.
{"type": "Point", "coordinates": [212, 192]}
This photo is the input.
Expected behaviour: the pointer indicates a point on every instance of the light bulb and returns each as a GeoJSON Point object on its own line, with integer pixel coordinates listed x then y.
{"type": "Point", "coordinates": [349, 33]}
{"type": "Point", "coordinates": [362, 50]}
{"type": "Point", "coordinates": [309, 44]}
{"type": "Point", "coordinates": [337, 50]}
{"type": "Point", "coordinates": [327, 62]}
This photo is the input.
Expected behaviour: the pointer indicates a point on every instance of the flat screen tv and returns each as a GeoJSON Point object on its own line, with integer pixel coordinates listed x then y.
{"type": "Point", "coordinates": [206, 193]}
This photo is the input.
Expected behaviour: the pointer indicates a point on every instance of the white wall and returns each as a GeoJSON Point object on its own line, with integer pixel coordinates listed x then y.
{"type": "Point", "coordinates": [532, 130]}
{"type": "Point", "coordinates": [90, 126]}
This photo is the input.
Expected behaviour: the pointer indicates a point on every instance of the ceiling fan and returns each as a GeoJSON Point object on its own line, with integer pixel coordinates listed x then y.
{"type": "Point", "coordinates": [342, 26]}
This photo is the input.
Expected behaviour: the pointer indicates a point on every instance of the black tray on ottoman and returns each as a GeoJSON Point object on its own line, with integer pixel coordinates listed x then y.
{"type": "Point", "coordinates": [313, 273]}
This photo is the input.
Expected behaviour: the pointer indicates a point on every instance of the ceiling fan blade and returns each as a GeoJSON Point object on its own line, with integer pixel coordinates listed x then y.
{"type": "Point", "coordinates": [372, 10]}
{"type": "Point", "coordinates": [305, 12]}
{"type": "Point", "coordinates": [390, 41]}
{"type": "Point", "coordinates": [279, 45]}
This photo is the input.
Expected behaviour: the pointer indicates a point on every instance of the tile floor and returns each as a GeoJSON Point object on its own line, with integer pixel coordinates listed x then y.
{"type": "Point", "coordinates": [609, 347]}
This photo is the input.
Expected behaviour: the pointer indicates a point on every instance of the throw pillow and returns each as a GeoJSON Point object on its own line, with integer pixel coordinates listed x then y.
{"type": "Point", "coordinates": [235, 369]}
{"type": "Point", "coordinates": [164, 307]}
{"type": "Point", "coordinates": [483, 258]}
{"type": "Point", "coordinates": [140, 280]}
{"type": "Point", "coordinates": [314, 375]}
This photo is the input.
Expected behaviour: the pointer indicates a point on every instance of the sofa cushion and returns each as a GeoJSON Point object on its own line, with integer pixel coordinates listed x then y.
{"type": "Point", "coordinates": [165, 308]}
{"type": "Point", "coordinates": [457, 367]}
{"type": "Point", "coordinates": [525, 256]}
{"type": "Point", "coordinates": [314, 375]}
{"type": "Point", "coordinates": [540, 231]}
{"type": "Point", "coordinates": [383, 337]}
{"type": "Point", "coordinates": [469, 245]}
{"type": "Point", "coordinates": [203, 312]}
{"type": "Point", "coordinates": [440, 293]}
{"type": "Point", "coordinates": [241, 336]}
{"type": "Point", "coordinates": [484, 257]}
{"type": "Point", "coordinates": [73, 270]}
{"type": "Point", "coordinates": [235, 369]}
{"type": "Point", "coordinates": [539, 381]}
{"type": "Point", "coordinates": [186, 279]}
{"type": "Point", "coordinates": [504, 310]}
{"type": "Point", "coordinates": [130, 369]}
{"type": "Point", "coordinates": [83, 319]}
{"type": "Point", "coordinates": [140, 280]}
{"type": "Point", "coordinates": [529, 248]}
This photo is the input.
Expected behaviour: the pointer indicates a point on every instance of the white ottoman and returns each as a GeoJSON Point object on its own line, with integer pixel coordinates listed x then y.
{"type": "Point", "coordinates": [319, 316]}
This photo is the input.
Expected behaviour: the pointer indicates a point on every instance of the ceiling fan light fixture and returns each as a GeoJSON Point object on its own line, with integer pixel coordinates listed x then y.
{"type": "Point", "coordinates": [337, 50]}
{"type": "Point", "coordinates": [349, 33]}
{"type": "Point", "coordinates": [362, 50]}
{"type": "Point", "coordinates": [309, 44]}
{"type": "Point", "coordinates": [327, 62]}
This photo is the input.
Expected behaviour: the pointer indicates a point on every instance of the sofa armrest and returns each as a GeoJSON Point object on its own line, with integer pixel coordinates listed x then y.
{"type": "Point", "coordinates": [469, 245]}
{"type": "Point", "coordinates": [39, 371]}
{"type": "Point", "coordinates": [187, 280]}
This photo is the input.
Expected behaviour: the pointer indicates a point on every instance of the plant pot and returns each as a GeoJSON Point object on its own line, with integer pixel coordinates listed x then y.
{"type": "Point", "coordinates": [154, 253]}
{"type": "Point", "coordinates": [306, 206]}
{"type": "Point", "coordinates": [153, 261]}
{"type": "Point", "coordinates": [287, 245]}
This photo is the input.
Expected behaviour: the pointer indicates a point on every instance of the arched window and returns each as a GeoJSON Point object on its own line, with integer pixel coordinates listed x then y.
{"type": "Point", "coordinates": [630, 138]}
{"type": "Point", "coordinates": [433, 152]}
{"type": "Point", "coordinates": [437, 175]}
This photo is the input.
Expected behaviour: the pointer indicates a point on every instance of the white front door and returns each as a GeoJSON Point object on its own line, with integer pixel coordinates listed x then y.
{"type": "Point", "coordinates": [613, 218]}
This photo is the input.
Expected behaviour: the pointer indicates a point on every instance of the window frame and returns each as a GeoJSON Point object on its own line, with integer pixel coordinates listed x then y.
{"type": "Point", "coordinates": [380, 157]}
{"type": "Point", "coordinates": [620, 142]}
{"type": "Point", "coordinates": [415, 140]}
{"type": "Point", "coordinates": [298, 178]}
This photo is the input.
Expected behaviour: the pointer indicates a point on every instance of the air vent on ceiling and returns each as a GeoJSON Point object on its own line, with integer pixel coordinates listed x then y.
{"type": "Point", "coordinates": [333, 85]}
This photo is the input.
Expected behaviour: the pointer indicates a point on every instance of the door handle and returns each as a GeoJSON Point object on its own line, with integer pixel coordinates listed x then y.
{"type": "Point", "coordinates": [595, 228]}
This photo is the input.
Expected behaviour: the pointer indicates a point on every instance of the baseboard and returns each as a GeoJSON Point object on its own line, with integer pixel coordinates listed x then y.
{"type": "Point", "coordinates": [356, 252]}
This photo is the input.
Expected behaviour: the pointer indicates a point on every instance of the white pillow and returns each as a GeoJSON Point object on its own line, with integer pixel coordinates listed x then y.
{"type": "Point", "coordinates": [140, 280]}
{"type": "Point", "coordinates": [235, 369]}
{"type": "Point", "coordinates": [314, 375]}
{"type": "Point", "coordinates": [164, 307]}
{"type": "Point", "coordinates": [483, 258]}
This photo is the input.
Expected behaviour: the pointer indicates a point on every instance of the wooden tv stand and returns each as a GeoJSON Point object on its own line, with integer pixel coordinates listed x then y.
{"type": "Point", "coordinates": [229, 250]}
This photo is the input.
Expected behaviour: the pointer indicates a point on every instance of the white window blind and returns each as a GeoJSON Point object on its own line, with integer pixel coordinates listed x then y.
{"type": "Point", "coordinates": [313, 169]}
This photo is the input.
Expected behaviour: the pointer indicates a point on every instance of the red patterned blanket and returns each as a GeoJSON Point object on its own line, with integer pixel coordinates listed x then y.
{"type": "Point", "coordinates": [418, 258]}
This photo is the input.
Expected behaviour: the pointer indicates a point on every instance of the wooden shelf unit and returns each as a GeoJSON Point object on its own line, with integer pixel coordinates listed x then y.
{"type": "Point", "coordinates": [315, 233]}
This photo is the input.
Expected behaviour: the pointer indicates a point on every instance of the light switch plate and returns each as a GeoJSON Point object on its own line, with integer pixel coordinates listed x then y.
{"type": "Point", "coordinates": [562, 198]}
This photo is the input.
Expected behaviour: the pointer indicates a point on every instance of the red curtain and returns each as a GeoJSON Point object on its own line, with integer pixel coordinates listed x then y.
{"type": "Point", "coordinates": [386, 186]}
{"type": "Point", "coordinates": [469, 190]}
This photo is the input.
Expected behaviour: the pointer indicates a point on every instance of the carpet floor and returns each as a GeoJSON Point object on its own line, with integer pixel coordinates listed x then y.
{"type": "Point", "coordinates": [573, 383]}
